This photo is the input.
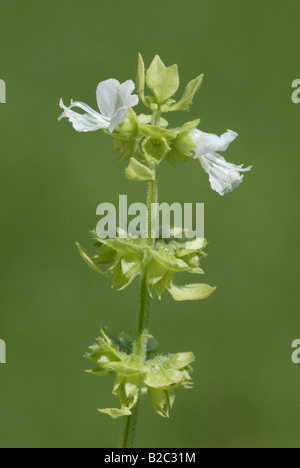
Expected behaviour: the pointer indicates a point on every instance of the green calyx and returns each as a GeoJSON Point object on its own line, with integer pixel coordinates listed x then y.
{"type": "Point", "coordinates": [149, 144]}
{"type": "Point", "coordinates": [163, 82]}
{"type": "Point", "coordinates": [155, 149]}
{"type": "Point", "coordinates": [159, 376]}
{"type": "Point", "coordinates": [138, 171]}
{"type": "Point", "coordinates": [125, 259]}
{"type": "Point", "coordinates": [147, 138]}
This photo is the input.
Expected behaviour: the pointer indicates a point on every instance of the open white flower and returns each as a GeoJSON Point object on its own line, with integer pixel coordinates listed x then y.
{"type": "Point", "coordinates": [224, 177]}
{"type": "Point", "coordinates": [114, 101]}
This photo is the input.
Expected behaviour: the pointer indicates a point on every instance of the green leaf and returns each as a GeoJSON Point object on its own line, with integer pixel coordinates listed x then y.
{"type": "Point", "coordinates": [127, 389]}
{"type": "Point", "coordinates": [164, 283]}
{"type": "Point", "coordinates": [180, 360]}
{"type": "Point", "coordinates": [90, 261]}
{"type": "Point", "coordinates": [159, 278]}
{"type": "Point", "coordinates": [128, 245]}
{"type": "Point", "coordinates": [156, 132]}
{"type": "Point", "coordinates": [188, 95]}
{"type": "Point", "coordinates": [162, 400]}
{"type": "Point", "coordinates": [131, 265]}
{"type": "Point", "coordinates": [125, 148]}
{"type": "Point", "coordinates": [116, 412]}
{"type": "Point", "coordinates": [168, 84]}
{"type": "Point", "coordinates": [193, 261]}
{"type": "Point", "coordinates": [125, 272]}
{"type": "Point", "coordinates": [155, 273]}
{"type": "Point", "coordinates": [105, 350]}
{"type": "Point", "coordinates": [191, 292]}
{"type": "Point", "coordinates": [155, 149]}
{"type": "Point", "coordinates": [175, 156]}
{"type": "Point", "coordinates": [161, 378]}
{"type": "Point", "coordinates": [99, 371]}
{"type": "Point", "coordinates": [126, 368]}
{"type": "Point", "coordinates": [125, 342]}
{"type": "Point", "coordinates": [195, 245]}
{"type": "Point", "coordinates": [141, 78]}
{"type": "Point", "coordinates": [138, 171]}
{"type": "Point", "coordinates": [184, 144]}
{"type": "Point", "coordinates": [153, 72]}
{"type": "Point", "coordinates": [162, 375]}
{"type": "Point", "coordinates": [162, 81]}
{"type": "Point", "coordinates": [129, 127]}
{"type": "Point", "coordinates": [188, 127]}
{"type": "Point", "coordinates": [166, 257]}
{"type": "Point", "coordinates": [105, 255]}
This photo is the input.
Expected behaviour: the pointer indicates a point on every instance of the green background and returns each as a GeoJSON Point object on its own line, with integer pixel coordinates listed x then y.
{"type": "Point", "coordinates": [247, 391]}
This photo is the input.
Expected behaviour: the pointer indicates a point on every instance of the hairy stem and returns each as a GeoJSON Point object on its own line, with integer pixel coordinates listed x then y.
{"type": "Point", "coordinates": [140, 348]}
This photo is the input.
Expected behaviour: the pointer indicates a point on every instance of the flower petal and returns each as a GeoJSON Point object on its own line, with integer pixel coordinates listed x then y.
{"type": "Point", "coordinates": [224, 177]}
{"type": "Point", "coordinates": [118, 118]}
{"type": "Point", "coordinates": [107, 97]}
{"type": "Point", "coordinates": [128, 100]}
{"type": "Point", "coordinates": [89, 122]}
{"type": "Point", "coordinates": [210, 143]}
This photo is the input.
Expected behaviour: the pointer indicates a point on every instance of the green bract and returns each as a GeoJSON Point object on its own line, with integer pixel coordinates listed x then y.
{"type": "Point", "coordinates": [147, 138]}
{"type": "Point", "coordinates": [155, 149]}
{"type": "Point", "coordinates": [158, 376]}
{"type": "Point", "coordinates": [163, 82]}
{"type": "Point", "coordinates": [188, 95]}
{"type": "Point", "coordinates": [138, 171]}
{"type": "Point", "coordinates": [125, 259]}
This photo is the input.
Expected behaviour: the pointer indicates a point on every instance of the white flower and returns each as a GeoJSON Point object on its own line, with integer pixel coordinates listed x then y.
{"type": "Point", "coordinates": [114, 101]}
{"type": "Point", "coordinates": [224, 177]}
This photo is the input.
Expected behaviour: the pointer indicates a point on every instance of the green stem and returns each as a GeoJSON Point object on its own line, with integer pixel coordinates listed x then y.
{"type": "Point", "coordinates": [156, 116]}
{"type": "Point", "coordinates": [152, 198]}
{"type": "Point", "coordinates": [140, 348]}
{"type": "Point", "coordinates": [128, 429]}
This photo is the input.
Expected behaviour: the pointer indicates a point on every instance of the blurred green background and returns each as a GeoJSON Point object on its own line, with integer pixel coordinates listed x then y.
{"type": "Point", "coordinates": [247, 391]}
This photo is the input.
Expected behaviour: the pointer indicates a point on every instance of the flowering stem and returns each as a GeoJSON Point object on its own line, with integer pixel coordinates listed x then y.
{"type": "Point", "coordinates": [140, 347]}
{"type": "Point", "coordinates": [128, 429]}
